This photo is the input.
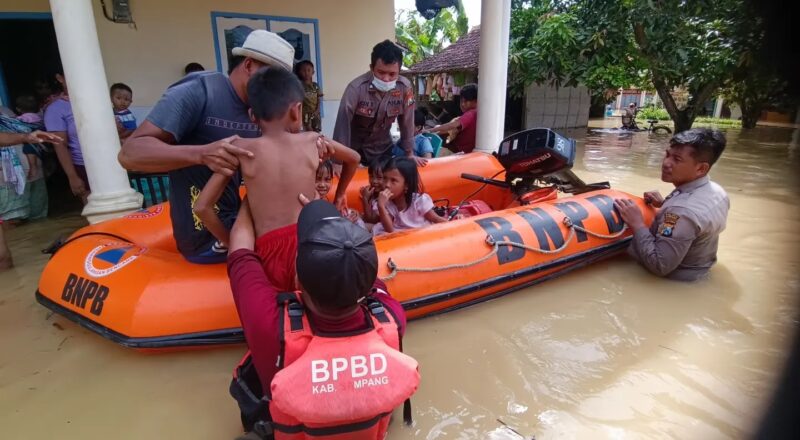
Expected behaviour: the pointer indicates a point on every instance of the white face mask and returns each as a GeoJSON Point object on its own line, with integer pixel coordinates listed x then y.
{"type": "Point", "coordinates": [383, 86]}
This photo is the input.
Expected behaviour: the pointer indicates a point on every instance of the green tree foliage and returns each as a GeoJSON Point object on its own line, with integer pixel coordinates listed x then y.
{"type": "Point", "coordinates": [424, 38]}
{"type": "Point", "coordinates": [552, 42]}
{"type": "Point", "coordinates": [755, 89]}
{"type": "Point", "coordinates": [755, 84]}
{"type": "Point", "coordinates": [699, 46]}
{"type": "Point", "coordinates": [694, 45]}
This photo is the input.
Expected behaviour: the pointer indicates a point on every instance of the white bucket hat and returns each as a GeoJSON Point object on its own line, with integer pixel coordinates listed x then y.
{"type": "Point", "coordinates": [268, 48]}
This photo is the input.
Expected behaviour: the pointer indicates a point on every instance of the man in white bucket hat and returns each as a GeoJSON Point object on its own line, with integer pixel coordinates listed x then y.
{"type": "Point", "coordinates": [189, 133]}
{"type": "Point", "coordinates": [267, 48]}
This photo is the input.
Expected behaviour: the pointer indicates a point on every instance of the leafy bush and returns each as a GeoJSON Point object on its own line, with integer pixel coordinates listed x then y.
{"type": "Point", "coordinates": [651, 112]}
{"type": "Point", "coordinates": [718, 122]}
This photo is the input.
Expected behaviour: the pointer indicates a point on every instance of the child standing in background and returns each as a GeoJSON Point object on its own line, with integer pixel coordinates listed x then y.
{"type": "Point", "coordinates": [36, 187]}
{"type": "Point", "coordinates": [28, 110]}
{"type": "Point", "coordinates": [312, 121]}
{"type": "Point", "coordinates": [121, 98]}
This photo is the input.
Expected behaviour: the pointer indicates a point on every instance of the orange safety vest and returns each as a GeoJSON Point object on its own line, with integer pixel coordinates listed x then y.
{"type": "Point", "coordinates": [336, 386]}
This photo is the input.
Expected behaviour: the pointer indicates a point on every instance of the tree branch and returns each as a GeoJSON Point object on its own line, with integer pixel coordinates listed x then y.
{"type": "Point", "coordinates": [704, 94]}
{"type": "Point", "coordinates": [660, 84]}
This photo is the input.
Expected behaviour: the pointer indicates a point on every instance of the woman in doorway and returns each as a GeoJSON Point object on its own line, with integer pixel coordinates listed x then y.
{"type": "Point", "coordinates": [59, 120]}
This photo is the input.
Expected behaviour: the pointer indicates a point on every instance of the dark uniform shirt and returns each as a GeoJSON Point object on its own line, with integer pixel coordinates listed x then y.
{"type": "Point", "coordinates": [682, 241]}
{"type": "Point", "coordinates": [366, 116]}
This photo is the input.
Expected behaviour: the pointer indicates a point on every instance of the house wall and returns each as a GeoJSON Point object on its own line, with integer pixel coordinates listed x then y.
{"type": "Point", "coordinates": [170, 34]}
{"type": "Point", "coordinates": [550, 107]}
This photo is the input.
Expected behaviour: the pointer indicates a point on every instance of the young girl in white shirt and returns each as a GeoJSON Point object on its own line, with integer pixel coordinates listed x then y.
{"type": "Point", "coordinates": [401, 205]}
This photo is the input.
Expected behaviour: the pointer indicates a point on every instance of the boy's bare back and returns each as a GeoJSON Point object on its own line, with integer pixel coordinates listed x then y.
{"type": "Point", "coordinates": [282, 167]}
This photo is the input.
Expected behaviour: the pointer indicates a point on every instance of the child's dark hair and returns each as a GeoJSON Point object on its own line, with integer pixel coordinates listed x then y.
{"type": "Point", "coordinates": [469, 92]}
{"type": "Point", "coordinates": [193, 67]}
{"type": "Point", "coordinates": [408, 169]}
{"type": "Point", "coordinates": [26, 104]}
{"type": "Point", "coordinates": [419, 118]}
{"type": "Point", "coordinates": [375, 166]}
{"type": "Point", "coordinates": [387, 52]}
{"type": "Point", "coordinates": [299, 66]}
{"type": "Point", "coordinates": [120, 86]}
{"type": "Point", "coordinates": [271, 91]}
{"type": "Point", "coordinates": [325, 165]}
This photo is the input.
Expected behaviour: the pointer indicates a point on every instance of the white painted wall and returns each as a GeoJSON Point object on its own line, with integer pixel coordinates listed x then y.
{"type": "Point", "coordinates": [171, 33]}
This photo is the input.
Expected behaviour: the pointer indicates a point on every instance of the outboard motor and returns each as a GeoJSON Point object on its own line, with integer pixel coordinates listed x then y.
{"type": "Point", "coordinates": [538, 157]}
{"type": "Point", "coordinates": [535, 153]}
{"type": "Point", "coordinates": [542, 156]}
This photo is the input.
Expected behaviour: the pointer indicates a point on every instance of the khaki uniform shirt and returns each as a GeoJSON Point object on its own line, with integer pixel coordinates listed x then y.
{"type": "Point", "coordinates": [366, 116]}
{"type": "Point", "coordinates": [682, 241]}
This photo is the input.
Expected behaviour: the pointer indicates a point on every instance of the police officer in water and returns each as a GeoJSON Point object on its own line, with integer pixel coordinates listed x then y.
{"type": "Point", "coordinates": [372, 102]}
{"type": "Point", "coordinates": [682, 241]}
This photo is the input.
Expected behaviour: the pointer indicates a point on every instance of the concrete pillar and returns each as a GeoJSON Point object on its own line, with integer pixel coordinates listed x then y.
{"type": "Point", "coordinates": [112, 195]}
{"type": "Point", "coordinates": [492, 73]}
{"type": "Point", "coordinates": [718, 106]}
{"type": "Point", "coordinates": [619, 99]}
{"type": "Point", "coordinates": [655, 98]}
{"type": "Point", "coordinates": [642, 98]}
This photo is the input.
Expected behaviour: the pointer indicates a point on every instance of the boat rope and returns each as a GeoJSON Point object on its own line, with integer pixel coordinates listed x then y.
{"type": "Point", "coordinates": [495, 244]}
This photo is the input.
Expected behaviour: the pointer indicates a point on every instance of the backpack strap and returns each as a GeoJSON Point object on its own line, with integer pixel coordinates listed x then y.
{"type": "Point", "coordinates": [381, 314]}
{"type": "Point", "coordinates": [290, 306]}
{"type": "Point", "coordinates": [377, 310]}
{"type": "Point", "coordinates": [289, 300]}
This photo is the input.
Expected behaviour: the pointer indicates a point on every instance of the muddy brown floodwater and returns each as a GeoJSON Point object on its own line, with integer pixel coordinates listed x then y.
{"type": "Point", "coordinates": [604, 352]}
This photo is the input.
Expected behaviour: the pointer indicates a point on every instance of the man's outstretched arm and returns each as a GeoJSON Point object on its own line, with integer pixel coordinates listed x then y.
{"type": "Point", "coordinates": [151, 149]}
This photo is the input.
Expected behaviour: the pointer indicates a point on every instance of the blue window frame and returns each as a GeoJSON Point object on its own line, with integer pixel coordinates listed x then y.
{"type": "Point", "coordinates": [274, 23]}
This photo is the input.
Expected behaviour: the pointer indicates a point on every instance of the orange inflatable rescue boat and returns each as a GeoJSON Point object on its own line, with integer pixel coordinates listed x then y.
{"type": "Point", "coordinates": [125, 280]}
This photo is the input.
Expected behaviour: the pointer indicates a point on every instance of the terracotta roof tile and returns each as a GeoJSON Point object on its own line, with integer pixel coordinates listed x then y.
{"type": "Point", "coordinates": [459, 56]}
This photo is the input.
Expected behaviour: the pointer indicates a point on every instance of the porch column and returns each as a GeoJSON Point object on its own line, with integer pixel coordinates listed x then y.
{"type": "Point", "coordinates": [642, 98]}
{"type": "Point", "coordinates": [619, 99]}
{"type": "Point", "coordinates": [112, 195]}
{"type": "Point", "coordinates": [492, 73]}
{"type": "Point", "coordinates": [718, 106]}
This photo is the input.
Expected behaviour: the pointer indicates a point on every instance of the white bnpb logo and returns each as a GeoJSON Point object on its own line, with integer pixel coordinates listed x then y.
{"type": "Point", "coordinates": [364, 370]}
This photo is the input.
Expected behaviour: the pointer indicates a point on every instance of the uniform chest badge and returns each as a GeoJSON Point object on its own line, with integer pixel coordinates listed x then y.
{"type": "Point", "coordinates": [409, 98]}
{"type": "Point", "coordinates": [666, 228]}
{"type": "Point", "coordinates": [364, 110]}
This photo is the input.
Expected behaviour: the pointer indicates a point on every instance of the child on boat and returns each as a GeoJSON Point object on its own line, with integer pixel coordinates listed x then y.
{"type": "Point", "coordinates": [369, 194]}
{"type": "Point", "coordinates": [401, 205]}
{"type": "Point", "coordinates": [283, 165]}
{"type": "Point", "coordinates": [324, 177]}
{"type": "Point", "coordinates": [422, 144]}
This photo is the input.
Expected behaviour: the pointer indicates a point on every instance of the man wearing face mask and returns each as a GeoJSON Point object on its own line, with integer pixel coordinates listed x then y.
{"type": "Point", "coordinates": [372, 102]}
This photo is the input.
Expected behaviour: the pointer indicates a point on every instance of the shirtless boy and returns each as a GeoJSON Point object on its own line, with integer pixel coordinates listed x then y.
{"type": "Point", "coordinates": [283, 165]}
